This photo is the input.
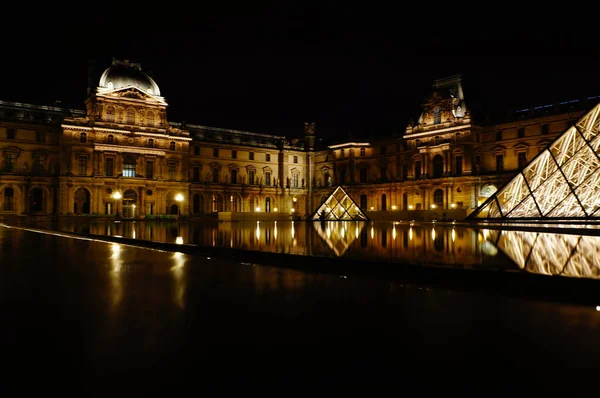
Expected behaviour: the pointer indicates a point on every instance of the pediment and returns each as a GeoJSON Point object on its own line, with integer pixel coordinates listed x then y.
{"type": "Point", "coordinates": [131, 92]}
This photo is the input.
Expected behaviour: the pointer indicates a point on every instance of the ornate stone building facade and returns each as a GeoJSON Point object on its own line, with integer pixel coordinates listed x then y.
{"type": "Point", "coordinates": [121, 155]}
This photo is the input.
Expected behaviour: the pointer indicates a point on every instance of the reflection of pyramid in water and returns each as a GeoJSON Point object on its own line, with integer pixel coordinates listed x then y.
{"type": "Point", "coordinates": [576, 256]}
{"type": "Point", "coordinates": [561, 182]}
{"type": "Point", "coordinates": [339, 236]}
{"type": "Point", "coordinates": [339, 206]}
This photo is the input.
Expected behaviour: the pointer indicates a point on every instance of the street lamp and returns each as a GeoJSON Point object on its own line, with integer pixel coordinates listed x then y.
{"type": "Point", "coordinates": [179, 199]}
{"type": "Point", "coordinates": [116, 196]}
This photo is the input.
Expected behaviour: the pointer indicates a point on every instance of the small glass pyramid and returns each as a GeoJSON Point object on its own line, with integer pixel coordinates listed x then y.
{"type": "Point", "coordinates": [339, 206]}
{"type": "Point", "coordinates": [561, 182]}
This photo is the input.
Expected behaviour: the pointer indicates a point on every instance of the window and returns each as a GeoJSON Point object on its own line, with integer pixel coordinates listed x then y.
{"type": "Point", "coordinates": [522, 156]}
{"type": "Point", "coordinates": [498, 135]}
{"type": "Point", "coordinates": [149, 169]}
{"type": "Point", "coordinates": [150, 119]}
{"type": "Point", "coordinates": [83, 138]}
{"type": "Point", "coordinates": [405, 171]}
{"type": "Point", "coordinates": [499, 162]}
{"type": "Point", "coordinates": [82, 165]}
{"type": "Point", "coordinates": [38, 164]}
{"type": "Point", "coordinates": [251, 177]}
{"type": "Point", "coordinates": [251, 156]}
{"type": "Point", "coordinates": [342, 153]}
{"type": "Point", "coordinates": [521, 132]}
{"type": "Point", "coordinates": [172, 171]}
{"type": "Point", "coordinates": [383, 172]}
{"type": "Point", "coordinates": [458, 160]}
{"type": "Point", "coordinates": [477, 162]}
{"type": "Point", "coordinates": [437, 117]}
{"type": "Point", "coordinates": [383, 150]}
{"type": "Point", "coordinates": [295, 159]}
{"type": "Point", "coordinates": [233, 154]}
{"type": "Point", "coordinates": [109, 165]}
{"type": "Point", "coordinates": [216, 152]}
{"type": "Point", "coordinates": [110, 139]}
{"type": "Point", "coordinates": [417, 169]}
{"type": "Point", "coordinates": [438, 198]}
{"type": "Point", "coordinates": [234, 175]}
{"type": "Point", "coordinates": [215, 175]}
{"type": "Point", "coordinates": [362, 151]}
{"type": "Point", "coordinates": [268, 178]}
{"type": "Point", "coordinates": [437, 139]}
{"type": "Point", "coordinates": [196, 150]}
{"type": "Point", "coordinates": [9, 199]}
{"type": "Point", "coordinates": [129, 167]}
{"type": "Point", "coordinates": [171, 146]}
{"type": "Point", "coordinates": [11, 159]}
{"type": "Point", "coordinates": [11, 134]}
{"type": "Point", "coordinates": [196, 174]}
{"type": "Point", "coordinates": [110, 114]}
{"type": "Point", "coordinates": [150, 143]}
{"type": "Point", "coordinates": [363, 174]}
{"type": "Point", "coordinates": [295, 181]}
{"type": "Point", "coordinates": [267, 157]}
{"type": "Point", "coordinates": [130, 116]}
{"type": "Point", "coordinates": [40, 136]}
{"type": "Point", "coordinates": [545, 128]}
{"type": "Point", "coordinates": [438, 166]}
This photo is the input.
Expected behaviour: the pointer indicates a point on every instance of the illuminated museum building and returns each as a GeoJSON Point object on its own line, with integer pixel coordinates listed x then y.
{"type": "Point", "coordinates": [121, 155]}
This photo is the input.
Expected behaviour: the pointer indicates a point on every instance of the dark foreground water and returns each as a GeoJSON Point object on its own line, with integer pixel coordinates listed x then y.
{"type": "Point", "coordinates": [89, 318]}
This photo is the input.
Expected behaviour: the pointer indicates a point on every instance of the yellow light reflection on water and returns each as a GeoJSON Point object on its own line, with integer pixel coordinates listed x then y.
{"type": "Point", "coordinates": [293, 231]}
{"type": "Point", "coordinates": [258, 230]}
{"type": "Point", "coordinates": [410, 233]}
{"type": "Point", "coordinates": [453, 234]}
{"type": "Point", "coordinates": [432, 233]}
{"type": "Point", "coordinates": [356, 230]}
{"type": "Point", "coordinates": [394, 232]}
{"type": "Point", "coordinates": [372, 233]}
{"type": "Point", "coordinates": [275, 230]}
{"type": "Point", "coordinates": [328, 232]}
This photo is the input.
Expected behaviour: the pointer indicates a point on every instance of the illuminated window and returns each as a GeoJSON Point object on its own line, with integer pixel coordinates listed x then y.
{"type": "Point", "coordinates": [251, 177]}
{"type": "Point", "coordinates": [295, 159]}
{"type": "Point", "coordinates": [82, 165]}
{"type": "Point", "coordinates": [83, 137]}
{"type": "Point", "coordinates": [251, 156]}
{"type": "Point", "coordinates": [268, 178]}
{"type": "Point", "coordinates": [438, 197]}
{"type": "Point", "coordinates": [110, 139]}
{"type": "Point", "coordinates": [129, 166]}
{"type": "Point", "coordinates": [295, 180]}
{"type": "Point", "coordinates": [268, 157]}
{"type": "Point", "coordinates": [171, 146]}
{"type": "Point", "coordinates": [150, 143]}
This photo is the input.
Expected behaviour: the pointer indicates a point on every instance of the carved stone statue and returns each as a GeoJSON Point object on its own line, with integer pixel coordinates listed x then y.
{"type": "Point", "coordinates": [309, 128]}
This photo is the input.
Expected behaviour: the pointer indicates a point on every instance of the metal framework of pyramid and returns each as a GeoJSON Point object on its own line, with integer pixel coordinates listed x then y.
{"type": "Point", "coordinates": [561, 183]}
{"type": "Point", "coordinates": [339, 206]}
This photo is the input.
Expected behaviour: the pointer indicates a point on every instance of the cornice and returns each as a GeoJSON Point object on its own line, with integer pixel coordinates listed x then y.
{"type": "Point", "coordinates": [128, 149]}
{"type": "Point", "coordinates": [125, 132]}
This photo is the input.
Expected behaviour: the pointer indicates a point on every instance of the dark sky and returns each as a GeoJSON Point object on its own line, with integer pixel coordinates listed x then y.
{"type": "Point", "coordinates": [271, 67]}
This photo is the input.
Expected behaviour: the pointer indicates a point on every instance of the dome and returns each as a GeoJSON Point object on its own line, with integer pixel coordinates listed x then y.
{"type": "Point", "coordinates": [126, 74]}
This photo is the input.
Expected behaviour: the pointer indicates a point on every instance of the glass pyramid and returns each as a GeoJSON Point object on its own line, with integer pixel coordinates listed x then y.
{"type": "Point", "coordinates": [561, 182]}
{"type": "Point", "coordinates": [339, 206]}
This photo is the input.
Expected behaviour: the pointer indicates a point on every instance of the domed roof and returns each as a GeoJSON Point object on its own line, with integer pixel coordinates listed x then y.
{"type": "Point", "coordinates": [126, 74]}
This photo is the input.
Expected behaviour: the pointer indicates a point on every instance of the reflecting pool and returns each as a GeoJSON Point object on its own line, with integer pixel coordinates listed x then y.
{"type": "Point", "coordinates": [431, 244]}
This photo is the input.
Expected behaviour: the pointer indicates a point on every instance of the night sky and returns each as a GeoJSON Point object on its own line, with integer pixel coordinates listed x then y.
{"type": "Point", "coordinates": [356, 72]}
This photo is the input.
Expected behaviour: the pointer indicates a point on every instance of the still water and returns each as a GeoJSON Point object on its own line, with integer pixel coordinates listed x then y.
{"type": "Point", "coordinates": [429, 244]}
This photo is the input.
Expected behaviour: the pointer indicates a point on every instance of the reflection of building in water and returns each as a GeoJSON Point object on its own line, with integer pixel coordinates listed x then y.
{"type": "Point", "coordinates": [339, 235]}
{"type": "Point", "coordinates": [551, 254]}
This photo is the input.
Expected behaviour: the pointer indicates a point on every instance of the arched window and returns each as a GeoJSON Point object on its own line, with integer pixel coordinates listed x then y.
{"type": "Point", "coordinates": [150, 143]}
{"type": "Point", "coordinates": [438, 198]}
{"type": "Point", "coordinates": [327, 179]}
{"type": "Point", "coordinates": [438, 166]}
{"type": "Point", "coordinates": [83, 137]}
{"type": "Point", "coordinates": [110, 114]}
{"type": "Point", "coordinates": [150, 119]}
{"type": "Point", "coordinates": [437, 118]}
{"type": "Point", "coordinates": [172, 146]}
{"type": "Point", "coordinates": [130, 116]}
{"type": "Point", "coordinates": [110, 139]}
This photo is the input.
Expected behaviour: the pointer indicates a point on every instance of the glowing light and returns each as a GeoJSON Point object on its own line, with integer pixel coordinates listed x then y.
{"type": "Point", "coordinates": [410, 207]}
{"type": "Point", "coordinates": [275, 209]}
{"type": "Point", "coordinates": [356, 231]}
{"type": "Point", "coordinates": [598, 308]}
{"type": "Point", "coordinates": [372, 233]}
{"type": "Point", "coordinates": [293, 210]}
{"type": "Point", "coordinates": [294, 199]}
{"type": "Point", "coordinates": [433, 206]}
{"type": "Point", "coordinates": [485, 233]}
{"type": "Point", "coordinates": [257, 231]}
{"type": "Point", "coordinates": [293, 231]}
{"type": "Point", "coordinates": [394, 232]}
{"type": "Point", "coordinates": [257, 208]}
{"type": "Point", "coordinates": [394, 207]}
{"type": "Point", "coordinates": [453, 205]}
{"type": "Point", "coordinates": [453, 234]}
{"type": "Point", "coordinates": [179, 240]}
{"type": "Point", "coordinates": [328, 232]}
{"type": "Point", "coordinates": [275, 230]}
{"type": "Point", "coordinates": [117, 195]}
{"type": "Point", "coordinates": [432, 233]}
{"type": "Point", "coordinates": [179, 197]}
{"type": "Point", "coordinates": [410, 233]}
{"type": "Point", "coordinates": [372, 208]}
